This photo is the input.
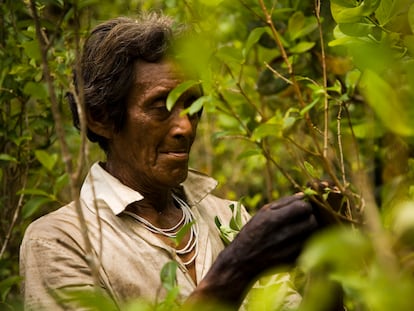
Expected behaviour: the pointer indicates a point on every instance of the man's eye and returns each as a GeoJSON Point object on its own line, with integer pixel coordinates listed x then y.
{"type": "Point", "coordinates": [159, 108]}
{"type": "Point", "coordinates": [159, 104]}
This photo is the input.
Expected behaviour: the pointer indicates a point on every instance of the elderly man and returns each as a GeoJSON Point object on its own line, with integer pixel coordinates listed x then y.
{"type": "Point", "coordinates": [136, 201]}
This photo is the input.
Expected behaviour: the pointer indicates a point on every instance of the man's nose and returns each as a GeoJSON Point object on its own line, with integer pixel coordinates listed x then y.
{"type": "Point", "coordinates": [182, 123]}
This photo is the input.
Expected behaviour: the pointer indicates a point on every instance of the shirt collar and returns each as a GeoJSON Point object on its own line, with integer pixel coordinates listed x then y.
{"type": "Point", "coordinates": [103, 188]}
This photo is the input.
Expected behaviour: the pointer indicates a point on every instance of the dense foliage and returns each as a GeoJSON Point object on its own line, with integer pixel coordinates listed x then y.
{"type": "Point", "coordinates": [294, 91]}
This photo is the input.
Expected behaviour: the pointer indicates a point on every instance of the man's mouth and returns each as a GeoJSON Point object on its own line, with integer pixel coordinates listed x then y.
{"type": "Point", "coordinates": [177, 154]}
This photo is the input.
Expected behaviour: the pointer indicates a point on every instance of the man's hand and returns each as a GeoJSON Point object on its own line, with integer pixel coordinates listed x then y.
{"type": "Point", "coordinates": [274, 236]}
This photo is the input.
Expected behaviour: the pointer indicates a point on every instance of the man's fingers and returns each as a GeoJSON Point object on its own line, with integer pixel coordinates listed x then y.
{"type": "Point", "coordinates": [285, 201]}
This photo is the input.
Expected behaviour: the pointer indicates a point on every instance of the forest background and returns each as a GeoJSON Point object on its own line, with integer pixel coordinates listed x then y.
{"type": "Point", "coordinates": [295, 91]}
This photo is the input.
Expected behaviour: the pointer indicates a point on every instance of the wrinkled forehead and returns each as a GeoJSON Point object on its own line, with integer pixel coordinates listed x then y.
{"type": "Point", "coordinates": [162, 76]}
{"type": "Point", "coordinates": [151, 72]}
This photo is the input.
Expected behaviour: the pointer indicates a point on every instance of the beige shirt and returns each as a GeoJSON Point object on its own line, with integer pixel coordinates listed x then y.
{"type": "Point", "coordinates": [128, 256]}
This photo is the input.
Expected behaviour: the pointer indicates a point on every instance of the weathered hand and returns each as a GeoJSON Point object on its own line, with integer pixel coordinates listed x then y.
{"type": "Point", "coordinates": [327, 202]}
{"type": "Point", "coordinates": [275, 235]}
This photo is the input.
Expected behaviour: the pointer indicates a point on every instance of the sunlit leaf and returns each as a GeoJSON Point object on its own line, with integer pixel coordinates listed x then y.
{"type": "Point", "coordinates": [385, 102]}
{"type": "Point", "coordinates": [35, 90]}
{"type": "Point", "coordinates": [32, 49]}
{"type": "Point", "coordinates": [339, 249]}
{"type": "Point", "coordinates": [410, 15]}
{"type": "Point", "coordinates": [249, 153]}
{"type": "Point", "coordinates": [308, 107]}
{"type": "Point", "coordinates": [267, 129]}
{"type": "Point", "coordinates": [182, 232]}
{"type": "Point", "coordinates": [87, 299]}
{"type": "Point", "coordinates": [33, 205]}
{"type": "Point", "coordinates": [356, 29]}
{"type": "Point", "coordinates": [311, 170]}
{"type": "Point", "coordinates": [351, 80]}
{"type": "Point", "coordinates": [169, 275]}
{"type": "Point", "coordinates": [295, 24]}
{"type": "Point", "coordinates": [344, 11]}
{"type": "Point", "coordinates": [60, 182]}
{"type": "Point", "coordinates": [252, 39]}
{"type": "Point", "coordinates": [175, 94]}
{"type": "Point", "coordinates": [7, 157]}
{"type": "Point", "coordinates": [40, 192]}
{"type": "Point", "coordinates": [6, 285]}
{"type": "Point", "coordinates": [302, 47]}
{"type": "Point", "coordinates": [230, 54]}
{"type": "Point", "coordinates": [47, 160]}
{"type": "Point", "coordinates": [197, 105]}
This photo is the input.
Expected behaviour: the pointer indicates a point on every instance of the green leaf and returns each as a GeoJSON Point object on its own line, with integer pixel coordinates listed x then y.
{"type": "Point", "coordinates": [341, 249]}
{"type": "Point", "coordinates": [60, 182]}
{"type": "Point", "coordinates": [31, 191]}
{"type": "Point", "coordinates": [309, 191]}
{"type": "Point", "coordinates": [356, 29]}
{"type": "Point", "coordinates": [87, 299]}
{"type": "Point", "coordinates": [6, 285]}
{"type": "Point", "coordinates": [7, 157]}
{"type": "Point", "coordinates": [267, 129]}
{"type": "Point", "coordinates": [182, 232]}
{"type": "Point", "coordinates": [302, 47]}
{"type": "Point", "coordinates": [385, 102]}
{"type": "Point", "coordinates": [311, 170]}
{"type": "Point", "coordinates": [32, 49]}
{"type": "Point", "coordinates": [236, 220]}
{"type": "Point", "coordinates": [175, 94]}
{"type": "Point", "coordinates": [211, 2]}
{"type": "Point", "coordinates": [409, 43]}
{"type": "Point", "coordinates": [351, 11]}
{"type": "Point", "coordinates": [33, 206]}
{"type": "Point", "coordinates": [351, 80]}
{"type": "Point", "coordinates": [35, 90]}
{"type": "Point", "coordinates": [411, 17]}
{"type": "Point", "coordinates": [47, 160]}
{"type": "Point", "coordinates": [308, 107]}
{"type": "Point", "coordinates": [168, 275]}
{"type": "Point", "coordinates": [295, 24]}
{"type": "Point", "coordinates": [254, 36]}
{"type": "Point", "coordinates": [227, 234]}
{"type": "Point", "coordinates": [217, 221]}
{"type": "Point", "coordinates": [230, 54]}
{"type": "Point", "coordinates": [197, 105]}
{"type": "Point", "coordinates": [249, 153]}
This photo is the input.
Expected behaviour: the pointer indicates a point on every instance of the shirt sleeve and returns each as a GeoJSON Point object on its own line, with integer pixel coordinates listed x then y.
{"type": "Point", "coordinates": [50, 266]}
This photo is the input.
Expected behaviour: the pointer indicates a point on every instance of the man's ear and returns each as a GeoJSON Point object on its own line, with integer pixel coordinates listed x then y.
{"type": "Point", "coordinates": [99, 127]}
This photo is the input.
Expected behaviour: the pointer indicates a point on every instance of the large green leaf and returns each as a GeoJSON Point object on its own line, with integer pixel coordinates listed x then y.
{"type": "Point", "coordinates": [169, 275]}
{"type": "Point", "coordinates": [302, 47]}
{"type": "Point", "coordinates": [296, 24]}
{"type": "Point", "coordinates": [385, 101]}
{"type": "Point", "coordinates": [411, 17]}
{"type": "Point", "coordinates": [175, 94]}
{"type": "Point", "coordinates": [46, 159]}
{"type": "Point", "coordinates": [350, 11]}
{"type": "Point", "coordinates": [254, 36]}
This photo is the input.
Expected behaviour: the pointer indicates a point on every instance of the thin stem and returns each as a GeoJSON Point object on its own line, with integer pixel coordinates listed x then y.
{"type": "Point", "coordinates": [15, 215]}
{"type": "Point", "coordinates": [325, 79]}
{"type": "Point", "coordinates": [339, 137]}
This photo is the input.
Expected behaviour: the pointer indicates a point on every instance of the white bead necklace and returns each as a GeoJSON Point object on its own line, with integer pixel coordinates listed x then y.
{"type": "Point", "coordinates": [186, 218]}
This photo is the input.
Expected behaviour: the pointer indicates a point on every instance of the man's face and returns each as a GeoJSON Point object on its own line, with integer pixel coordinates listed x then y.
{"type": "Point", "coordinates": [152, 150]}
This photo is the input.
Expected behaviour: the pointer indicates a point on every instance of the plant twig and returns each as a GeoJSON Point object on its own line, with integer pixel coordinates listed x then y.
{"type": "Point", "coordinates": [15, 215]}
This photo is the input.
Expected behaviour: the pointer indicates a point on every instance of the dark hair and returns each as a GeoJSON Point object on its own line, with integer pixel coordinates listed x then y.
{"type": "Point", "coordinates": [107, 66]}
